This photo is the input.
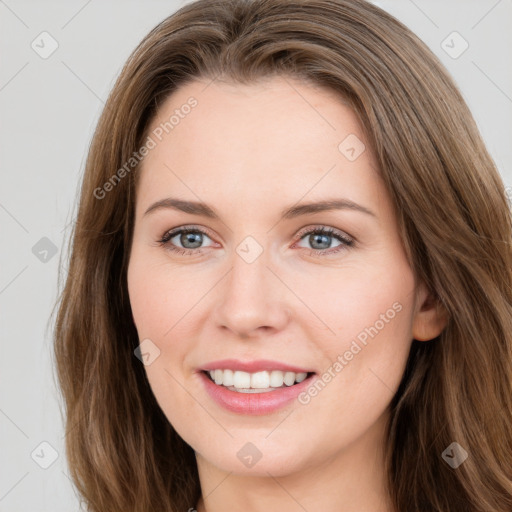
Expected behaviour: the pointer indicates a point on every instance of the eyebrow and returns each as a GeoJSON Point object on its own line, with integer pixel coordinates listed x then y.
{"type": "Point", "coordinates": [203, 209]}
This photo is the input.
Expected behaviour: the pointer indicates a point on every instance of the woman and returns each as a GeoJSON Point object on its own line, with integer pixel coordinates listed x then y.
{"type": "Point", "coordinates": [253, 369]}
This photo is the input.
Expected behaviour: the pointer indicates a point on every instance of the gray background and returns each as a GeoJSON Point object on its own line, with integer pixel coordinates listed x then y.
{"type": "Point", "coordinates": [49, 107]}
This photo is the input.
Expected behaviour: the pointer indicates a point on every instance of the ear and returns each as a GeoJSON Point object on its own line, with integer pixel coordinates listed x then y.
{"type": "Point", "coordinates": [430, 318]}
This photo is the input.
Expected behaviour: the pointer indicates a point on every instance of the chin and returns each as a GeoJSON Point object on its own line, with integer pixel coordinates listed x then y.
{"type": "Point", "coordinates": [258, 457]}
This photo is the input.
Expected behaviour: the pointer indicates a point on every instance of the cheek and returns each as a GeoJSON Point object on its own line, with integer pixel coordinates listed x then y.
{"type": "Point", "coordinates": [362, 300]}
{"type": "Point", "coordinates": [162, 300]}
{"type": "Point", "coordinates": [363, 362]}
{"type": "Point", "coordinates": [368, 311]}
{"type": "Point", "coordinates": [159, 315]}
{"type": "Point", "coordinates": [160, 295]}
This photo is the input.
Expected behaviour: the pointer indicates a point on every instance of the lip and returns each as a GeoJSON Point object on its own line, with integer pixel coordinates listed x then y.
{"type": "Point", "coordinates": [253, 403]}
{"type": "Point", "coordinates": [259, 365]}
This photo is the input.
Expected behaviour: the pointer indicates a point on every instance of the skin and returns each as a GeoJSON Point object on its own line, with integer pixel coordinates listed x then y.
{"type": "Point", "coordinates": [249, 151]}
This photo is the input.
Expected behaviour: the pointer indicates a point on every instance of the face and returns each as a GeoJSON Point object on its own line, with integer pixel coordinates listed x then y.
{"type": "Point", "coordinates": [325, 292]}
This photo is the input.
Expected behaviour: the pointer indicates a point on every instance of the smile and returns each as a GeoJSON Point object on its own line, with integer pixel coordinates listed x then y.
{"type": "Point", "coordinates": [258, 382]}
{"type": "Point", "coordinates": [277, 390]}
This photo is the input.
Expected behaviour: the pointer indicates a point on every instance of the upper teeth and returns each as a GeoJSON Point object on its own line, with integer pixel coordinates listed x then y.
{"type": "Point", "coordinates": [258, 380]}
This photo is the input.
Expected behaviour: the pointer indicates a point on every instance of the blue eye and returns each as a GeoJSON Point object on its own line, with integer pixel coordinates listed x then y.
{"type": "Point", "coordinates": [191, 239]}
{"type": "Point", "coordinates": [323, 236]}
{"type": "Point", "coordinates": [191, 235]}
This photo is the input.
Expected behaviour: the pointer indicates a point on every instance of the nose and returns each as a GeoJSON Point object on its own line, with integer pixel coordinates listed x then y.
{"type": "Point", "coordinates": [251, 299]}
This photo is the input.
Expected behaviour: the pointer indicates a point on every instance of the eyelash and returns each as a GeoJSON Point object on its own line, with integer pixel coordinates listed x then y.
{"type": "Point", "coordinates": [346, 241]}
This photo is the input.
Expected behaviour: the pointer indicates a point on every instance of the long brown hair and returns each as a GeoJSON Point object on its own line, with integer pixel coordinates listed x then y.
{"type": "Point", "coordinates": [455, 225]}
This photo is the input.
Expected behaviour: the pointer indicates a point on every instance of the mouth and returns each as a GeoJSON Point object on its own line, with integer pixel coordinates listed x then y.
{"type": "Point", "coordinates": [257, 382]}
{"type": "Point", "coordinates": [259, 393]}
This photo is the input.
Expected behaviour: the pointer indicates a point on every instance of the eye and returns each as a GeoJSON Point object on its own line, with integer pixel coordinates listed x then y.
{"type": "Point", "coordinates": [321, 238]}
{"type": "Point", "coordinates": [190, 238]}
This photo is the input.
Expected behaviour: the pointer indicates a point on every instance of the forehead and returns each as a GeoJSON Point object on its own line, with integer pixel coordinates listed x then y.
{"type": "Point", "coordinates": [276, 134]}
{"type": "Point", "coordinates": [278, 111]}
